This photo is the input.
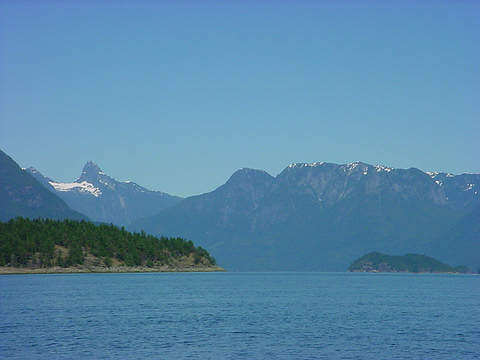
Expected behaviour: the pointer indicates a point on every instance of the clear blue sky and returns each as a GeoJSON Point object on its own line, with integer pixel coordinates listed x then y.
{"type": "Point", "coordinates": [177, 95]}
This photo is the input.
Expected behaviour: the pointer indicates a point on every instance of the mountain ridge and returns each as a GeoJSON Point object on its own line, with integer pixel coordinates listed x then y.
{"type": "Point", "coordinates": [310, 217]}
{"type": "Point", "coordinates": [106, 199]}
{"type": "Point", "coordinates": [338, 211]}
{"type": "Point", "coordinates": [22, 195]}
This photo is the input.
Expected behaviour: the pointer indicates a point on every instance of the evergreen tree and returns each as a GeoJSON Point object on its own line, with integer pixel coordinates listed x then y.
{"type": "Point", "coordinates": [38, 242]}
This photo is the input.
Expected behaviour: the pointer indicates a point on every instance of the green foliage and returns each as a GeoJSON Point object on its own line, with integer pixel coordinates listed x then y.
{"type": "Point", "coordinates": [415, 263]}
{"type": "Point", "coordinates": [108, 261]}
{"type": "Point", "coordinates": [25, 242]}
{"type": "Point", "coordinates": [202, 253]}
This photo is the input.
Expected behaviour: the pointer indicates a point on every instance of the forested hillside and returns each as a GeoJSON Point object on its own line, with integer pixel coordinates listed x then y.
{"type": "Point", "coordinates": [414, 263]}
{"type": "Point", "coordinates": [46, 243]}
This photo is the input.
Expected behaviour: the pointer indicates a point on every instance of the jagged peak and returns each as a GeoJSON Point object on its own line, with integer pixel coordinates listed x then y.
{"type": "Point", "coordinates": [91, 172]}
{"type": "Point", "coordinates": [355, 164]}
{"type": "Point", "coordinates": [91, 167]}
{"type": "Point", "coordinates": [302, 165]}
{"type": "Point", "coordinates": [366, 168]}
{"type": "Point", "coordinates": [349, 167]}
{"type": "Point", "coordinates": [434, 174]}
{"type": "Point", "coordinates": [381, 168]}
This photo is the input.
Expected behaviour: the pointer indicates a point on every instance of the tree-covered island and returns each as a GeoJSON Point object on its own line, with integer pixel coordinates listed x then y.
{"type": "Point", "coordinates": [43, 246]}
{"type": "Point", "coordinates": [412, 263]}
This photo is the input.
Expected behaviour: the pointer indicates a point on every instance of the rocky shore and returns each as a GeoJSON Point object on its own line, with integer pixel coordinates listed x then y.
{"type": "Point", "coordinates": [6, 270]}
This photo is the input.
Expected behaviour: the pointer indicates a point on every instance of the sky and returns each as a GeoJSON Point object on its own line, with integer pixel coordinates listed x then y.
{"type": "Point", "coordinates": [177, 95]}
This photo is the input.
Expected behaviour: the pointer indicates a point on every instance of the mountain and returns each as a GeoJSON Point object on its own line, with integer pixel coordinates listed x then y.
{"type": "Point", "coordinates": [22, 195]}
{"type": "Point", "coordinates": [320, 216]}
{"type": "Point", "coordinates": [460, 190]}
{"type": "Point", "coordinates": [412, 263]}
{"type": "Point", "coordinates": [105, 199]}
{"type": "Point", "coordinates": [461, 243]}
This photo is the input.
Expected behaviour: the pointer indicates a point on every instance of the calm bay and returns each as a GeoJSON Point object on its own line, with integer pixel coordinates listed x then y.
{"type": "Point", "coordinates": [240, 316]}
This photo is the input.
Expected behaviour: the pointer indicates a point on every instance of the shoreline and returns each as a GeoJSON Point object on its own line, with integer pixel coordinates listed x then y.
{"type": "Point", "coordinates": [7, 270]}
{"type": "Point", "coordinates": [411, 272]}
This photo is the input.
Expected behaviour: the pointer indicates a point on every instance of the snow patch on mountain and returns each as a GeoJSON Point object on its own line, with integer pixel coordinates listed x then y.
{"type": "Point", "coordinates": [301, 165]}
{"type": "Point", "coordinates": [381, 168]}
{"type": "Point", "coordinates": [356, 166]}
{"type": "Point", "coordinates": [353, 165]}
{"type": "Point", "coordinates": [111, 185]}
{"type": "Point", "coordinates": [469, 187]}
{"type": "Point", "coordinates": [81, 186]}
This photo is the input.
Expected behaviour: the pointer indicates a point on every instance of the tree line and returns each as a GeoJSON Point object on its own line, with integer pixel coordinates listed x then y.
{"type": "Point", "coordinates": [39, 242]}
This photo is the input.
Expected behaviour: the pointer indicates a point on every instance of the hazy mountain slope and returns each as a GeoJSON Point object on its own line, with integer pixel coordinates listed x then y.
{"type": "Point", "coordinates": [317, 216]}
{"type": "Point", "coordinates": [224, 210]}
{"type": "Point", "coordinates": [105, 199]}
{"type": "Point", "coordinates": [22, 195]}
{"type": "Point", "coordinates": [461, 244]}
{"type": "Point", "coordinates": [462, 191]}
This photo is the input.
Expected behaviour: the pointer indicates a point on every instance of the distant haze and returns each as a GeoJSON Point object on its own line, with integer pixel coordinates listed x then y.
{"type": "Point", "coordinates": [176, 96]}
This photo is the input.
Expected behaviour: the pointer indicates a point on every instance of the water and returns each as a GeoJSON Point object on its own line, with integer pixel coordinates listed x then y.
{"type": "Point", "coordinates": [240, 316]}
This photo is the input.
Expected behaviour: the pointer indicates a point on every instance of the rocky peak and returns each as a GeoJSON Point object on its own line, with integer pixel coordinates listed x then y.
{"type": "Point", "coordinates": [90, 172]}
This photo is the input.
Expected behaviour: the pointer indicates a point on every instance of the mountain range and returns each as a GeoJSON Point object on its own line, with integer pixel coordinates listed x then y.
{"type": "Point", "coordinates": [105, 199]}
{"type": "Point", "coordinates": [321, 216]}
{"type": "Point", "coordinates": [310, 217]}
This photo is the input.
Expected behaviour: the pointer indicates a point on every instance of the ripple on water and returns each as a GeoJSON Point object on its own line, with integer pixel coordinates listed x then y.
{"type": "Point", "coordinates": [239, 316]}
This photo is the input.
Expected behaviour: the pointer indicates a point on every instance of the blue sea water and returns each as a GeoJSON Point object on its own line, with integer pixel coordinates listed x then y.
{"type": "Point", "coordinates": [240, 316]}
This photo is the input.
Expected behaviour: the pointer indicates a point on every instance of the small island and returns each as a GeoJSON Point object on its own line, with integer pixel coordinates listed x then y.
{"type": "Point", "coordinates": [410, 263]}
{"type": "Point", "coordinates": [53, 246]}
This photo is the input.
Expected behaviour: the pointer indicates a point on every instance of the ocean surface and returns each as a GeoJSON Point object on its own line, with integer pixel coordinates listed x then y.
{"type": "Point", "coordinates": [240, 316]}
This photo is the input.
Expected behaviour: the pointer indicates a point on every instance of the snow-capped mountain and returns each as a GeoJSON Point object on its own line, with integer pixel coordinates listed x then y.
{"type": "Point", "coordinates": [321, 216]}
{"type": "Point", "coordinates": [104, 199]}
{"type": "Point", "coordinates": [460, 190]}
